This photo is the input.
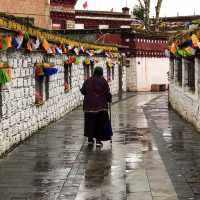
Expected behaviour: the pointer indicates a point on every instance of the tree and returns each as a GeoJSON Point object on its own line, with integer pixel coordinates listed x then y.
{"type": "Point", "coordinates": [145, 5]}
{"type": "Point", "coordinates": [158, 7]}
{"type": "Point", "coordinates": [138, 12]}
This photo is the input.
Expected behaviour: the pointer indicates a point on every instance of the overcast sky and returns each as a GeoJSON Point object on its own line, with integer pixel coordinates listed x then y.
{"type": "Point", "coordinates": [169, 7]}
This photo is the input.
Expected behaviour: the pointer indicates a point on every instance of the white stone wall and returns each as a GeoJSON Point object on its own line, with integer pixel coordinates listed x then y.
{"type": "Point", "coordinates": [20, 116]}
{"type": "Point", "coordinates": [132, 75]}
{"type": "Point", "coordinates": [185, 102]}
{"type": "Point", "coordinates": [145, 71]}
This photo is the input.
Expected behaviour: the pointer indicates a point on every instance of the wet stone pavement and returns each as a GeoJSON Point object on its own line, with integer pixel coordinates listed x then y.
{"type": "Point", "coordinates": [154, 156]}
{"type": "Point", "coordinates": [179, 146]}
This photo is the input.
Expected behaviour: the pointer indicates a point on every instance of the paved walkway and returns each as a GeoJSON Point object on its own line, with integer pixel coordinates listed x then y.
{"type": "Point", "coordinates": [179, 145]}
{"type": "Point", "coordinates": [56, 163]}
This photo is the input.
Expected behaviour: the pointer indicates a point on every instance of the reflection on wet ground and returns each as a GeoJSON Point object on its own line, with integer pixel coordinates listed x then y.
{"type": "Point", "coordinates": [179, 146]}
{"type": "Point", "coordinates": [57, 164]}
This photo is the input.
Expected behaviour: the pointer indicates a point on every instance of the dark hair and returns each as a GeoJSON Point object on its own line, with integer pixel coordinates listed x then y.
{"type": "Point", "coordinates": [98, 71]}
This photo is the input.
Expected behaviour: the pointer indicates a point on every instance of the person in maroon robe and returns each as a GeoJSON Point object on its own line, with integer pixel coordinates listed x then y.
{"type": "Point", "coordinates": [97, 96]}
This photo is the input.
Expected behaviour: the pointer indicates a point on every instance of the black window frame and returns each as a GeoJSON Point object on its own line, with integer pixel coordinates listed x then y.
{"type": "Point", "coordinates": [179, 65]}
{"type": "Point", "coordinates": [88, 70]}
{"type": "Point", "coordinates": [191, 74]}
{"type": "Point", "coordinates": [67, 77]}
{"type": "Point", "coordinates": [108, 73]}
{"type": "Point", "coordinates": [113, 73]}
{"type": "Point", "coordinates": [41, 89]}
{"type": "Point", "coordinates": [172, 70]}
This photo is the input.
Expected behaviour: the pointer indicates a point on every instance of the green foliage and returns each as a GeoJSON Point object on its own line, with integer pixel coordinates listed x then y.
{"type": "Point", "coordinates": [138, 12]}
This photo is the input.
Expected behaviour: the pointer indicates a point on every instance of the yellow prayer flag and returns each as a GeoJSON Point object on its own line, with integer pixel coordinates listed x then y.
{"type": "Point", "coordinates": [195, 40]}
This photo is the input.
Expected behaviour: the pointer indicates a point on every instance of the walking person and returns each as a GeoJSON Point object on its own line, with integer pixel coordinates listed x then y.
{"type": "Point", "coordinates": [97, 95]}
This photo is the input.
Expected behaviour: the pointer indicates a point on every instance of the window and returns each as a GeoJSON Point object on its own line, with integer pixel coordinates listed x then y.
{"type": "Point", "coordinates": [92, 68]}
{"type": "Point", "coordinates": [88, 68]}
{"type": "Point", "coordinates": [79, 26]}
{"type": "Point", "coordinates": [179, 70]}
{"type": "Point", "coordinates": [103, 26]}
{"type": "Point", "coordinates": [86, 72]}
{"type": "Point", "coordinates": [67, 77]}
{"type": "Point", "coordinates": [124, 26]}
{"type": "Point", "coordinates": [172, 68]}
{"type": "Point", "coordinates": [70, 24]}
{"type": "Point", "coordinates": [127, 63]}
{"type": "Point", "coordinates": [46, 83]}
{"type": "Point", "coordinates": [39, 90]}
{"type": "Point", "coordinates": [41, 86]}
{"type": "Point", "coordinates": [113, 73]}
{"type": "Point", "coordinates": [190, 70]}
{"type": "Point", "coordinates": [58, 24]}
{"type": "Point", "coordinates": [108, 73]}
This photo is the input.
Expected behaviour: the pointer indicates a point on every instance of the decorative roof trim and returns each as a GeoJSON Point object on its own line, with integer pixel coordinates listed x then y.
{"type": "Point", "coordinates": [105, 18]}
{"type": "Point", "coordinates": [100, 12]}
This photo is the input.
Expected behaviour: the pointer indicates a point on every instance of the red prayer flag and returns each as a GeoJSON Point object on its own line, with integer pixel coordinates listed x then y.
{"type": "Point", "coordinates": [85, 5]}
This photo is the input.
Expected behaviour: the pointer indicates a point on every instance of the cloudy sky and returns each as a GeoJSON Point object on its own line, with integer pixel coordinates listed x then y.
{"type": "Point", "coordinates": [169, 7]}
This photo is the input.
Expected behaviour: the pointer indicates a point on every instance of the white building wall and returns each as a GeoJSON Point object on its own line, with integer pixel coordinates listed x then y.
{"type": "Point", "coordinates": [185, 102]}
{"type": "Point", "coordinates": [145, 71]}
{"type": "Point", "coordinates": [20, 116]}
{"type": "Point", "coordinates": [131, 75]}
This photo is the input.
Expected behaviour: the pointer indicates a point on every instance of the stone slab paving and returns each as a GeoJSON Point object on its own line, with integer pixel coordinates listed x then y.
{"type": "Point", "coordinates": [56, 163]}
{"type": "Point", "coordinates": [179, 146]}
{"type": "Point", "coordinates": [131, 168]}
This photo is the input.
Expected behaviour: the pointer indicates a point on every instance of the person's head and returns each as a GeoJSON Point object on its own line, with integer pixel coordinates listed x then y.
{"type": "Point", "coordinates": [98, 71]}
